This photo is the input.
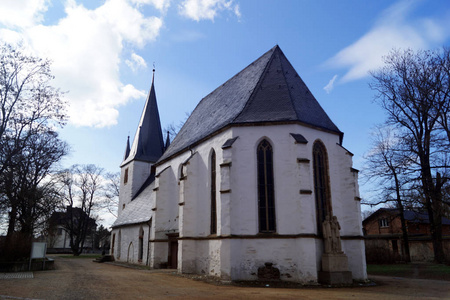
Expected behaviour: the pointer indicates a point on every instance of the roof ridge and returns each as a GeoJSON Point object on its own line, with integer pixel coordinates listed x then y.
{"type": "Point", "coordinates": [258, 84]}
{"type": "Point", "coordinates": [201, 102]}
{"type": "Point", "coordinates": [287, 84]}
{"type": "Point", "coordinates": [255, 95]}
{"type": "Point", "coordinates": [237, 74]}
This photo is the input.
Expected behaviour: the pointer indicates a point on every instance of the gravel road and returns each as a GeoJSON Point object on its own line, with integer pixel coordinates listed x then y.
{"type": "Point", "coordinates": [83, 279]}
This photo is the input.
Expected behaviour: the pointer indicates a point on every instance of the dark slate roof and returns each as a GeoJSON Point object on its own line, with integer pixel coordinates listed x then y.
{"type": "Point", "coordinates": [410, 215]}
{"type": "Point", "coordinates": [127, 149]}
{"type": "Point", "coordinates": [167, 144]}
{"type": "Point", "coordinates": [135, 212]}
{"type": "Point", "coordinates": [139, 210]}
{"type": "Point", "coordinates": [146, 183]}
{"type": "Point", "coordinates": [228, 143]}
{"type": "Point", "coordinates": [300, 139]}
{"type": "Point", "coordinates": [422, 217]}
{"type": "Point", "coordinates": [268, 90]}
{"type": "Point", "coordinates": [148, 143]}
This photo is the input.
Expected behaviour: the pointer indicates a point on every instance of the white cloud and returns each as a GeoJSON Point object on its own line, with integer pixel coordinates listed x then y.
{"type": "Point", "coordinates": [187, 36]}
{"type": "Point", "coordinates": [330, 86]}
{"type": "Point", "coordinates": [162, 5]}
{"type": "Point", "coordinates": [86, 47]}
{"type": "Point", "coordinates": [22, 13]}
{"type": "Point", "coordinates": [207, 9]}
{"type": "Point", "coordinates": [237, 11]}
{"type": "Point", "coordinates": [136, 62]}
{"type": "Point", "coordinates": [391, 30]}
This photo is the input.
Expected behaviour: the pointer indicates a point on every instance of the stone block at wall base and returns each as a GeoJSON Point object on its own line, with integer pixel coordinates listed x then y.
{"type": "Point", "coordinates": [335, 278]}
{"type": "Point", "coordinates": [334, 262]}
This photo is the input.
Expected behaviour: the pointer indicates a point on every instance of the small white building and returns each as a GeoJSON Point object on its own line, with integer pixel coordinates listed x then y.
{"type": "Point", "coordinates": [58, 237]}
{"type": "Point", "coordinates": [248, 180]}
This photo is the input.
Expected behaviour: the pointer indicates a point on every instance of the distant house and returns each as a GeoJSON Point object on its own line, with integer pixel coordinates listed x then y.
{"type": "Point", "coordinates": [384, 241]}
{"type": "Point", "coordinates": [58, 239]}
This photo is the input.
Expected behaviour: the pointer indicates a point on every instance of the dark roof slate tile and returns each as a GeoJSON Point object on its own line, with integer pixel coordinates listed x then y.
{"type": "Point", "coordinates": [148, 143]}
{"type": "Point", "coordinates": [269, 90]}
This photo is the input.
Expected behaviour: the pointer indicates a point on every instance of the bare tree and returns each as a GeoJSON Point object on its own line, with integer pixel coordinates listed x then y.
{"type": "Point", "coordinates": [172, 129]}
{"type": "Point", "coordinates": [412, 88]}
{"type": "Point", "coordinates": [111, 193]}
{"type": "Point", "coordinates": [81, 189]}
{"type": "Point", "coordinates": [387, 168]}
{"type": "Point", "coordinates": [102, 236]}
{"type": "Point", "coordinates": [29, 104]}
{"type": "Point", "coordinates": [30, 110]}
{"type": "Point", "coordinates": [29, 192]}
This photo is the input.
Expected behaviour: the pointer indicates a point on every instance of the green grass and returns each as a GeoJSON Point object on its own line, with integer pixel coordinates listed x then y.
{"type": "Point", "coordinates": [442, 269]}
{"type": "Point", "coordinates": [388, 269]}
{"type": "Point", "coordinates": [412, 270]}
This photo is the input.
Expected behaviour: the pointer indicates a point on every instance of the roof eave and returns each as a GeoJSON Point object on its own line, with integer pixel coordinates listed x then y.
{"type": "Point", "coordinates": [246, 124]}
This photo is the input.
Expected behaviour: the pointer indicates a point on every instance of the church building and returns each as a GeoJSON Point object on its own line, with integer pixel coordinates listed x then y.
{"type": "Point", "coordinates": [244, 189]}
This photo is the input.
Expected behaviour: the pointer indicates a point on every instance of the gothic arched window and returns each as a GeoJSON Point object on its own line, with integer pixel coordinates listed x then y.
{"type": "Point", "coordinates": [213, 194]}
{"type": "Point", "coordinates": [321, 184]}
{"type": "Point", "coordinates": [266, 194]}
{"type": "Point", "coordinates": [141, 244]}
{"type": "Point", "coordinates": [119, 244]}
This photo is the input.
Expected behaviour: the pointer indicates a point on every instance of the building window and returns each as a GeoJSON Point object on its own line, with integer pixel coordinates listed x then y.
{"type": "Point", "coordinates": [113, 244]}
{"type": "Point", "coordinates": [213, 194]}
{"type": "Point", "coordinates": [321, 184]}
{"type": "Point", "coordinates": [60, 231]}
{"type": "Point", "coordinates": [384, 222]}
{"type": "Point", "coordinates": [125, 176]}
{"type": "Point", "coordinates": [266, 194]}
{"type": "Point", "coordinates": [119, 244]}
{"type": "Point", "coordinates": [141, 244]}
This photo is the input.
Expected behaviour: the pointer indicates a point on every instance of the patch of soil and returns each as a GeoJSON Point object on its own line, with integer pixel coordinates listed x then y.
{"type": "Point", "coordinates": [268, 284]}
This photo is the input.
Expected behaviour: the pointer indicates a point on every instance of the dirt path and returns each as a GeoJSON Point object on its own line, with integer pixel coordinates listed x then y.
{"type": "Point", "coordinates": [83, 279]}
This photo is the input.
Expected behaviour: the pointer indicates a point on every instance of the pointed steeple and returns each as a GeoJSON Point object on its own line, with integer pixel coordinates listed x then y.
{"type": "Point", "coordinates": [127, 149]}
{"type": "Point", "coordinates": [148, 143]}
{"type": "Point", "coordinates": [167, 141]}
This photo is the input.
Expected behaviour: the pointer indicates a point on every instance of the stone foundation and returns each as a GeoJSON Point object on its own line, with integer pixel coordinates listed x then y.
{"type": "Point", "coordinates": [335, 269]}
{"type": "Point", "coordinates": [334, 278]}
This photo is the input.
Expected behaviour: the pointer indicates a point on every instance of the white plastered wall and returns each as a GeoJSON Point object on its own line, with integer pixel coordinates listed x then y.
{"type": "Point", "coordinates": [129, 243]}
{"type": "Point", "coordinates": [295, 210]}
{"type": "Point", "coordinates": [138, 172]}
{"type": "Point", "coordinates": [194, 203]}
{"type": "Point", "coordinates": [237, 257]}
{"type": "Point", "coordinates": [165, 219]}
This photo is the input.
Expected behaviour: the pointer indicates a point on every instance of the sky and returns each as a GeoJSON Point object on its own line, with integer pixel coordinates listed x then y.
{"type": "Point", "coordinates": [103, 53]}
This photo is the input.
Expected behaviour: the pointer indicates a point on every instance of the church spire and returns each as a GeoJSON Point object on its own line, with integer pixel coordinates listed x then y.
{"type": "Point", "coordinates": [167, 141]}
{"type": "Point", "coordinates": [127, 149]}
{"type": "Point", "coordinates": [148, 143]}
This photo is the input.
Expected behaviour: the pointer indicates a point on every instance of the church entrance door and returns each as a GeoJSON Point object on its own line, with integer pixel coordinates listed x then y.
{"type": "Point", "coordinates": [172, 260]}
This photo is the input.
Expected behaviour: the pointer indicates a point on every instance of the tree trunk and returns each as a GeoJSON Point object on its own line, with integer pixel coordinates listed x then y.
{"type": "Point", "coordinates": [12, 222]}
{"type": "Point", "coordinates": [439, 256]}
{"type": "Point", "coordinates": [432, 198]}
{"type": "Point", "coordinates": [407, 256]}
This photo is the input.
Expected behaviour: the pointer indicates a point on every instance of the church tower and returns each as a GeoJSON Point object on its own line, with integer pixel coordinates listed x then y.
{"type": "Point", "coordinates": [147, 148]}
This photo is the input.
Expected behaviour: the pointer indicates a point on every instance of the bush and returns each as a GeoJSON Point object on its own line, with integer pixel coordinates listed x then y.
{"type": "Point", "coordinates": [17, 247]}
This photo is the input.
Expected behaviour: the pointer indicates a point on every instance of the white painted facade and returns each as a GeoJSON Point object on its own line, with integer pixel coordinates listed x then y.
{"type": "Point", "coordinates": [179, 202]}
{"type": "Point", "coordinates": [60, 241]}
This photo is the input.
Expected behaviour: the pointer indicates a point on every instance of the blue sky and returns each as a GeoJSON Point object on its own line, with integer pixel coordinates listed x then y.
{"type": "Point", "coordinates": [103, 54]}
